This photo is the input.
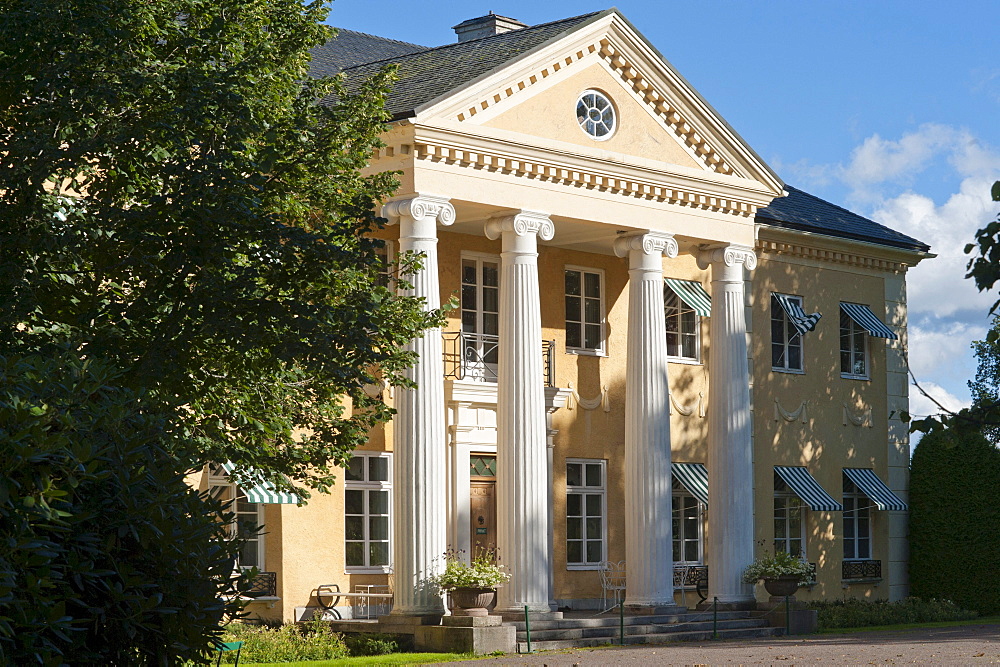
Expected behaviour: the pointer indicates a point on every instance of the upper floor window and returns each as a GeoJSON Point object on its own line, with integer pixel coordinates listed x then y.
{"type": "Point", "coordinates": [682, 326]}
{"type": "Point", "coordinates": [786, 340]}
{"type": "Point", "coordinates": [585, 513]}
{"type": "Point", "coordinates": [853, 348]}
{"type": "Point", "coordinates": [595, 114]}
{"type": "Point", "coordinates": [247, 521]}
{"type": "Point", "coordinates": [857, 523]}
{"type": "Point", "coordinates": [480, 315]}
{"type": "Point", "coordinates": [584, 310]}
{"type": "Point", "coordinates": [367, 489]}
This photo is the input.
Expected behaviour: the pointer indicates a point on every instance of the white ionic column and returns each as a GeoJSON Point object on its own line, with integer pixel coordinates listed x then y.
{"type": "Point", "coordinates": [730, 450]}
{"type": "Point", "coordinates": [648, 548]}
{"type": "Point", "coordinates": [522, 462]}
{"type": "Point", "coordinates": [419, 478]}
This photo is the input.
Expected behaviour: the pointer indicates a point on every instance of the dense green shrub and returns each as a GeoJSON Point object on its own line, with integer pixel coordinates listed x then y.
{"type": "Point", "coordinates": [313, 640]}
{"type": "Point", "coordinates": [854, 613]}
{"type": "Point", "coordinates": [955, 518]}
{"type": "Point", "coordinates": [372, 643]}
{"type": "Point", "coordinates": [107, 556]}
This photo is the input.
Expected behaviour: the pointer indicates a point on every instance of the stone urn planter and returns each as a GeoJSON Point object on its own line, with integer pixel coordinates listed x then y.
{"type": "Point", "coordinates": [472, 601]}
{"type": "Point", "coordinates": [781, 586]}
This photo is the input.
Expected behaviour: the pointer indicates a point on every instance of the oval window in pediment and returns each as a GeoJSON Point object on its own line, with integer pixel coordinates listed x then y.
{"type": "Point", "coordinates": [595, 114]}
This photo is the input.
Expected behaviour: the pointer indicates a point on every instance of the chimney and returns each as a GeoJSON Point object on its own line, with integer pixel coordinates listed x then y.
{"type": "Point", "coordinates": [486, 26]}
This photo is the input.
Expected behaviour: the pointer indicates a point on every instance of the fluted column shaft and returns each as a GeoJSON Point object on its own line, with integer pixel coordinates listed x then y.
{"type": "Point", "coordinates": [648, 547]}
{"type": "Point", "coordinates": [730, 450]}
{"type": "Point", "coordinates": [522, 461]}
{"type": "Point", "coordinates": [419, 458]}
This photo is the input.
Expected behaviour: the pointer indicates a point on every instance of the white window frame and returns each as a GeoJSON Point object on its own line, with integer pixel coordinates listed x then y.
{"type": "Point", "coordinates": [584, 490]}
{"type": "Point", "coordinates": [680, 503]}
{"type": "Point", "coordinates": [789, 334]}
{"type": "Point", "coordinates": [222, 488]}
{"type": "Point", "coordinates": [784, 493]}
{"type": "Point", "coordinates": [853, 331]}
{"type": "Point", "coordinates": [679, 310]}
{"type": "Point", "coordinates": [388, 255]}
{"type": "Point", "coordinates": [474, 370]}
{"type": "Point", "coordinates": [858, 503]}
{"type": "Point", "coordinates": [601, 349]}
{"type": "Point", "coordinates": [367, 485]}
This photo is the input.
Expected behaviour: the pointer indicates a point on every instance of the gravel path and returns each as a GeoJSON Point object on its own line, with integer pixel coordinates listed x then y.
{"type": "Point", "coordinates": [962, 645]}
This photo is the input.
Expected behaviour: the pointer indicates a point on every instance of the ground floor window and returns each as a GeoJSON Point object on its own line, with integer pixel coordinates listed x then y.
{"type": "Point", "coordinates": [586, 495]}
{"type": "Point", "coordinates": [367, 497]}
{"type": "Point", "coordinates": [789, 524]}
{"type": "Point", "coordinates": [687, 523]}
{"type": "Point", "coordinates": [247, 522]}
{"type": "Point", "coordinates": [857, 523]}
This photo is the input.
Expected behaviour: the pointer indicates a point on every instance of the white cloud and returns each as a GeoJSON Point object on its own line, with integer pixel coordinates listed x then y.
{"type": "Point", "coordinates": [937, 347]}
{"type": "Point", "coordinates": [921, 406]}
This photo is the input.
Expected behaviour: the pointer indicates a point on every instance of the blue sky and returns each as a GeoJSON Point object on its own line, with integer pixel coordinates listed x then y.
{"type": "Point", "coordinates": [891, 109]}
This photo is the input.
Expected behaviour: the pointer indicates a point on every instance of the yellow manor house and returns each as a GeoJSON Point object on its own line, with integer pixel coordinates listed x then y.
{"type": "Point", "coordinates": [664, 355]}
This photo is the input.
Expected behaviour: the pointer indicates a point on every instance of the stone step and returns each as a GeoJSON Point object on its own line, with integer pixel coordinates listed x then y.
{"type": "Point", "coordinates": [612, 619]}
{"type": "Point", "coordinates": [612, 631]}
{"type": "Point", "coordinates": [659, 638]}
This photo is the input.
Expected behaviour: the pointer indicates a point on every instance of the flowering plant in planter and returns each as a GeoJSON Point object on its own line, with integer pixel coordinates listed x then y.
{"type": "Point", "coordinates": [781, 564]}
{"type": "Point", "coordinates": [483, 572]}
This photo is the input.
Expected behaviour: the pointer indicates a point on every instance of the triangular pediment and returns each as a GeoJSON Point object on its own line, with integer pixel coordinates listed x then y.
{"type": "Point", "coordinates": [661, 117]}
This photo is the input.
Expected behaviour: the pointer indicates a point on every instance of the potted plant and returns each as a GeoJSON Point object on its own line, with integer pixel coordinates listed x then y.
{"type": "Point", "coordinates": [472, 585]}
{"type": "Point", "coordinates": [782, 573]}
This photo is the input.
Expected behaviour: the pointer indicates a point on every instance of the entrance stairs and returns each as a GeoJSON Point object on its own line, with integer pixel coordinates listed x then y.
{"type": "Point", "coordinates": [581, 629]}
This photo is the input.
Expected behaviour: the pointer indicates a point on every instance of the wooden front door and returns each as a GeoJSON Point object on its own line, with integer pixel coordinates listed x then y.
{"type": "Point", "coordinates": [483, 506]}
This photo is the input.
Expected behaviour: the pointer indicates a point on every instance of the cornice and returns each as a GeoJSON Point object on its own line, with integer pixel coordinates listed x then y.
{"type": "Point", "coordinates": [773, 242]}
{"type": "Point", "coordinates": [663, 183]}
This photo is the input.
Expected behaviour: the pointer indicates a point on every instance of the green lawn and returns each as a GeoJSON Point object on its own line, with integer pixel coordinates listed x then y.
{"type": "Point", "coordinates": [394, 659]}
{"type": "Point", "coordinates": [985, 620]}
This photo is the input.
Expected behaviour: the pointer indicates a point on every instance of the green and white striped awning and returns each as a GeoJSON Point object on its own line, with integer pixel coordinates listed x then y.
{"type": "Point", "coordinates": [875, 489]}
{"type": "Point", "coordinates": [803, 323]}
{"type": "Point", "coordinates": [808, 489]}
{"type": "Point", "coordinates": [867, 320]}
{"type": "Point", "coordinates": [262, 493]}
{"type": "Point", "coordinates": [693, 294]}
{"type": "Point", "coordinates": [693, 477]}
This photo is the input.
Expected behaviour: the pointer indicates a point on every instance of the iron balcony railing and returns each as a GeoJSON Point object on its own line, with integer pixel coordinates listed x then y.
{"type": "Point", "coordinates": [862, 569]}
{"type": "Point", "coordinates": [475, 356]}
{"type": "Point", "coordinates": [265, 584]}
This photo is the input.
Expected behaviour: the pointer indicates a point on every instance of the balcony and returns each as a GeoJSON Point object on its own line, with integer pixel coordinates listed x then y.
{"type": "Point", "coordinates": [474, 357]}
{"type": "Point", "coordinates": [265, 584]}
{"type": "Point", "coordinates": [861, 570]}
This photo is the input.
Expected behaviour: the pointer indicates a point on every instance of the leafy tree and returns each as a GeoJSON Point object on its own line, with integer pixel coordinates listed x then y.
{"type": "Point", "coordinates": [954, 518]}
{"type": "Point", "coordinates": [174, 202]}
{"type": "Point", "coordinates": [107, 556]}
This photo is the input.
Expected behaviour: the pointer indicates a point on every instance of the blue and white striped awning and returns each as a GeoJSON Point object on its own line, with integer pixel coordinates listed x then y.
{"type": "Point", "coordinates": [693, 294]}
{"type": "Point", "coordinates": [693, 477]}
{"type": "Point", "coordinates": [808, 489]}
{"type": "Point", "coordinates": [866, 319]}
{"type": "Point", "coordinates": [802, 322]}
{"type": "Point", "coordinates": [262, 493]}
{"type": "Point", "coordinates": [875, 489]}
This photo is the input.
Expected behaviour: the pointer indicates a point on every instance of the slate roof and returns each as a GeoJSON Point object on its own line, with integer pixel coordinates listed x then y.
{"type": "Point", "coordinates": [805, 212]}
{"type": "Point", "coordinates": [350, 48]}
{"type": "Point", "coordinates": [426, 75]}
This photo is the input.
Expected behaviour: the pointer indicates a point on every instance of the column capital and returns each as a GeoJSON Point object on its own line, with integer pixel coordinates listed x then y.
{"type": "Point", "coordinates": [522, 224]}
{"type": "Point", "coordinates": [421, 207]}
{"type": "Point", "coordinates": [649, 242]}
{"type": "Point", "coordinates": [729, 255]}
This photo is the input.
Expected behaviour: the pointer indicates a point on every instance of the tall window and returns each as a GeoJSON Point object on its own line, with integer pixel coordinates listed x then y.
{"type": "Point", "coordinates": [480, 316]}
{"type": "Point", "coordinates": [789, 527]}
{"type": "Point", "coordinates": [857, 523]}
{"type": "Point", "coordinates": [367, 487]}
{"type": "Point", "coordinates": [584, 310]}
{"type": "Point", "coordinates": [786, 341]}
{"type": "Point", "coordinates": [853, 348]}
{"type": "Point", "coordinates": [682, 326]}
{"type": "Point", "coordinates": [585, 512]}
{"type": "Point", "coordinates": [686, 527]}
{"type": "Point", "coordinates": [248, 519]}
{"type": "Point", "coordinates": [384, 255]}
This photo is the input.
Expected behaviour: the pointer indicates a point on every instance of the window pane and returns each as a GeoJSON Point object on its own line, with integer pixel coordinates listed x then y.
{"type": "Point", "coordinates": [677, 551]}
{"type": "Point", "coordinates": [574, 504]}
{"type": "Point", "coordinates": [354, 501]}
{"type": "Point", "coordinates": [378, 502]}
{"type": "Point", "coordinates": [594, 551]}
{"type": "Point", "coordinates": [592, 310]}
{"type": "Point", "coordinates": [248, 554]}
{"type": "Point", "coordinates": [491, 274]}
{"type": "Point", "coordinates": [356, 469]}
{"type": "Point", "coordinates": [594, 505]}
{"type": "Point", "coordinates": [469, 271]}
{"type": "Point", "coordinates": [379, 552]}
{"type": "Point", "coordinates": [469, 297]}
{"type": "Point", "coordinates": [794, 357]}
{"type": "Point", "coordinates": [574, 528]}
{"type": "Point", "coordinates": [592, 282]}
{"type": "Point", "coordinates": [691, 550]}
{"type": "Point", "coordinates": [469, 321]}
{"type": "Point", "coordinates": [777, 355]}
{"type": "Point", "coordinates": [574, 474]}
{"type": "Point", "coordinates": [594, 528]}
{"type": "Point", "coordinates": [354, 527]}
{"type": "Point", "coordinates": [573, 282]}
{"type": "Point", "coordinates": [845, 362]}
{"type": "Point", "coordinates": [355, 554]}
{"type": "Point", "coordinates": [574, 336]}
{"type": "Point", "coordinates": [573, 308]}
{"type": "Point", "coordinates": [491, 300]}
{"type": "Point", "coordinates": [378, 469]}
{"type": "Point", "coordinates": [378, 528]}
{"type": "Point", "coordinates": [574, 552]}
{"type": "Point", "coordinates": [690, 347]}
{"type": "Point", "coordinates": [864, 549]}
{"type": "Point", "coordinates": [593, 337]}
{"type": "Point", "coordinates": [594, 475]}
